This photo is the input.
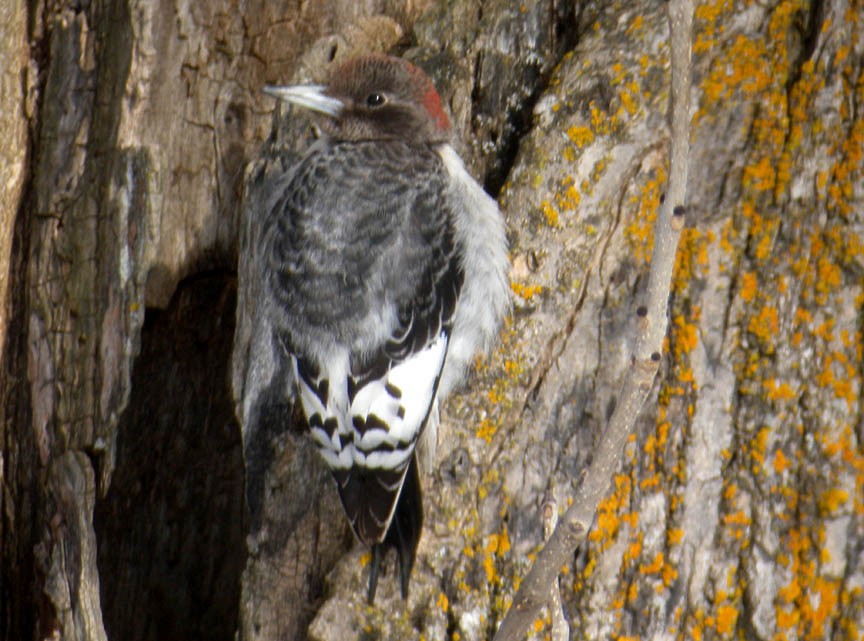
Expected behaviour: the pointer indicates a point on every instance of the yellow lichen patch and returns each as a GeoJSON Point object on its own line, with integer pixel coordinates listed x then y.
{"type": "Point", "coordinates": [549, 213]}
{"type": "Point", "coordinates": [661, 567]}
{"type": "Point", "coordinates": [633, 551]}
{"type": "Point", "coordinates": [654, 567]}
{"type": "Point", "coordinates": [808, 602]}
{"type": "Point", "coordinates": [512, 368]}
{"type": "Point", "coordinates": [760, 176]}
{"type": "Point", "coordinates": [635, 25]}
{"type": "Point", "coordinates": [580, 135]}
{"type": "Point", "coordinates": [778, 391]}
{"type": "Point", "coordinates": [831, 500]}
{"type": "Point", "coordinates": [674, 536]}
{"type": "Point", "coordinates": [503, 542]}
{"type": "Point", "coordinates": [691, 260]}
{"type": "Point", "coordinates": [640, 232]}
{"type": "Point", "coordinates": [765, 326]}
{"type": "Point", "coordinates": [749, 286]}
{"type": "Point", "coordinates": [669, 573]}
{"type": "Point", "coordinates": [629, 97]}
{"type": "Point", "coordinates": [489, 566]}
{"type": "Point", "coordinates": [725, 620]}
{"type": "Point", "coordinates": [608, 517]}
{"type": "Point", "coordinates": [567, 199]}
{"type": "Point", "coordinates": [525, 292]}
{"type": "Point", "coordinates": [828, 278]}
{"type": "Point", "coordinates": [757, 448]}
{"type": "Point", "coordinates": [486, 430]}
{"type": "Point", "coordinates": [602, 122]}
{"type": "Point", "coordinates": [781, 462]}
{"type": "Point", "coordinates": [685, 333]}
{"type": "Point", "coordinates": [495, 547]}
{"type": "Point", "coordinates": [708, 26]}
{"type": "Point", "coordinates": [744, 68]}
{"type": "Point", "coordinates": [838, 374]}
{"type": "Point", "coordinates": [736, 525]}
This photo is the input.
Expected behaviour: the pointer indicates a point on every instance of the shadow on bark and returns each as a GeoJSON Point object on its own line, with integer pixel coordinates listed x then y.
{"type": "Point", "coordinates": [170, 530]}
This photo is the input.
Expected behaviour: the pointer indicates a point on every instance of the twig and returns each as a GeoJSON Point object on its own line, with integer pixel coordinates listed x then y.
{"type": "Point", "coordinates": [560, 628]}
{"type": "Point", "coordinates": [651, 328]}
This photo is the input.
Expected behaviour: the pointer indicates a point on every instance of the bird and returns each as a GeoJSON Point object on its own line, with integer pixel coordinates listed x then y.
{"type": "Point", "coordinates": [383, 269]}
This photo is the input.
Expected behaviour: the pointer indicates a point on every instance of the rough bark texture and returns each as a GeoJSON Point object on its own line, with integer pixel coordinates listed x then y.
{"type": "Point", "coordinates": [14, 536]}
{"type": "Point", "coordinates": [127, 126]}
{"type": "Point", "coordinates": [13, 147]}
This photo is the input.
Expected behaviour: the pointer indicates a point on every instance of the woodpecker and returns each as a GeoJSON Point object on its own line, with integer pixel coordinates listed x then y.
{"type": "Point", "coordinates": [383, 267]}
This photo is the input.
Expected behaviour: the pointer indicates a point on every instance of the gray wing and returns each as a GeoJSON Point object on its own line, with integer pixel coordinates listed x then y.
{"type": "Point", "coordinates": [262, 375]}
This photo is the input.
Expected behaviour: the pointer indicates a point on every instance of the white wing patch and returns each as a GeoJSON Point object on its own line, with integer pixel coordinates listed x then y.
{"type": "Point", "coordinates": [327, 421]}
{"type": "Point", "coordinates": [379, 428]}
{"type": "Point", "coordinates": [388, 414]}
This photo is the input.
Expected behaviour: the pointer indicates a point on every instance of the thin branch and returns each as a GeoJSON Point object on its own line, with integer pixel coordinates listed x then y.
{"type": "Point", "coordinates": [560, 628]}
{"type": "Point", "coordinates": [651, 329]}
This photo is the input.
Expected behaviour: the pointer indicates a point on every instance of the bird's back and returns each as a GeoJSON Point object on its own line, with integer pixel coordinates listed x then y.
{"type": "Point", "coordinates": [362, 263]}
{"type": "Point", "coordinates": [352, 239]}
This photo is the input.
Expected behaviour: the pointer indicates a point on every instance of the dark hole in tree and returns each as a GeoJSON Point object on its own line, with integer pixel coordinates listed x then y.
{"type": "Point", "coordinates": [170, 530]}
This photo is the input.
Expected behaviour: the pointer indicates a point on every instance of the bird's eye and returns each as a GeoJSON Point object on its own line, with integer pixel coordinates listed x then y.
{"type": "Point", "coordinates": [375, 100]}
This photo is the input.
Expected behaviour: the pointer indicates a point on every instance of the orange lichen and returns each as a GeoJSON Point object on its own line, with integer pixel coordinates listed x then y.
{"type": "Point", "coordinates": [568, 198]}
{"type": "Point", "coordinates": [743, 69]}
{"type": "Point", "coordinates": [781, 463]}
{"type": "Point", "coordinates": [831, 499]}
{"type": "Point", "coordinates": [640, 232]}
{"type": "Point", "coordinates": [580, 136]}
{"type": "Point", "coordinates": [525, 292]}
{"type": "Point", "coordinates": [725, 620]}
{"type": "Point", "coordinates": [765, 326]}
{"type": "Point", "coordinates": [692, 257]}
{"type": "Point", "coordinates": [608, 519]}
{"type": "Point", "coordinates": [633, 551]}
{"type": "Point", "coordinates": [708, 27]}
{"type": "Point", "coordinates": [486, 430]}
{"type": "Point", "coordinates": [635, 25]}
{"type": "Point", "coordinates": [778, 391]}
{"type": "Point", "coordinates": [496, 546]}
{"type": "Point", "coordinates": [749, 286]}
{"type": "Point", "coordinates": [760, 176]}
{"type": "Point", "coordinates": [549, 213]}
{"type": "Point", "coordinates": [654, 567]}
{"type": "Point", "coordinates": [686, 334]}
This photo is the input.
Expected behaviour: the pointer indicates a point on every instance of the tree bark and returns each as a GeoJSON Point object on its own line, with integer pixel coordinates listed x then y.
{"type": "Point", "coordinates": [127, 128]}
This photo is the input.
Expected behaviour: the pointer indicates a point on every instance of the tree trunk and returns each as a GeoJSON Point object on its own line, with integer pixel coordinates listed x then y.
{"type": "Point", "coordinates": [128, 125]}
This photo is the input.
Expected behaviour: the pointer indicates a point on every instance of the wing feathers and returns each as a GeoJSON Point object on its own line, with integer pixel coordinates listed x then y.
{"type": "Point", "coordinates": [367, 281]}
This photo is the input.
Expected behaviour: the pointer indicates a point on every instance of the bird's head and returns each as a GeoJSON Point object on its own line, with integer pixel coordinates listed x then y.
{"type": "Point", "coordinates": [374, 97]}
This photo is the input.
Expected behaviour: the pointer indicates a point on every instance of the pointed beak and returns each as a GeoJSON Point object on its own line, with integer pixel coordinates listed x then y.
{"type": "Point", "coordinates": [307, 96]}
